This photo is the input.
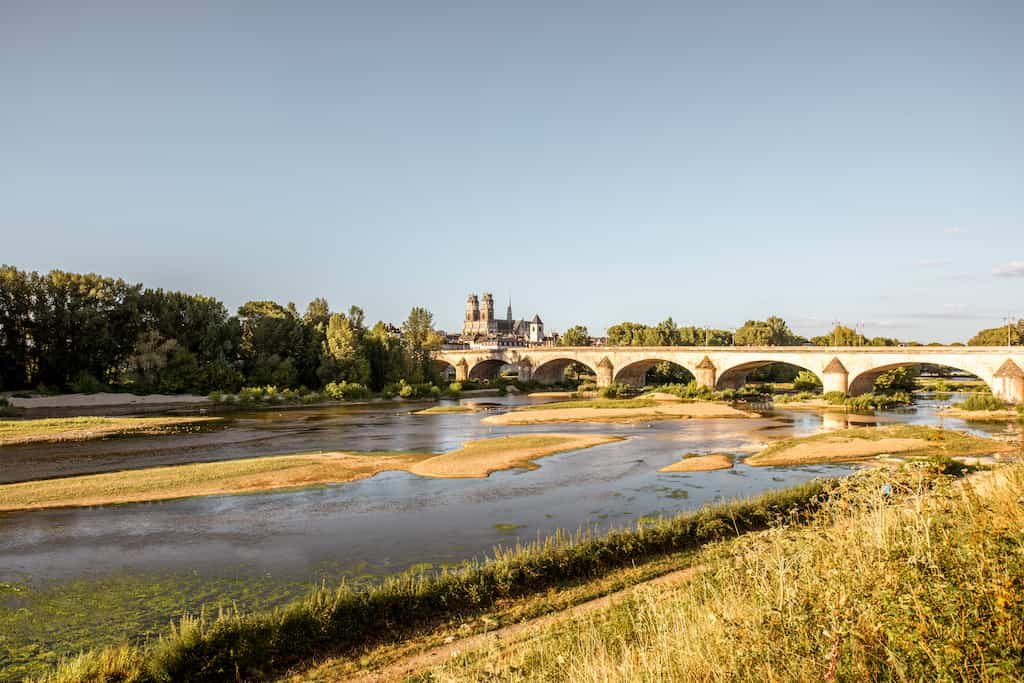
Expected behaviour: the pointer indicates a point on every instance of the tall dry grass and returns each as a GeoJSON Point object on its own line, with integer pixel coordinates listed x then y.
{"type": "Point", "coordinates": [903, 577]}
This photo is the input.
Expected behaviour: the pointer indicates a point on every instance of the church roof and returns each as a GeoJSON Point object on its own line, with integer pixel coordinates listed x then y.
{"type": "Point", "coordinates": [536, 319]}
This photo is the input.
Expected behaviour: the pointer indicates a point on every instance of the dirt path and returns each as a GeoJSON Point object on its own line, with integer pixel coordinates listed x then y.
{"type": "Point", "coordinates": [401, 669]}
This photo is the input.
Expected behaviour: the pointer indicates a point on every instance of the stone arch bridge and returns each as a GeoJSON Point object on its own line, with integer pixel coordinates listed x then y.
{"type": "Point", "coordinates": [851, 370]}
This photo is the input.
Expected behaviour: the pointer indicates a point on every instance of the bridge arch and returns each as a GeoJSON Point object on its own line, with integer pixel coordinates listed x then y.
{"type": "Point", "coordinates": [635, 373]}
{"type": "Point", "coordinates": [443, 370]}
{"type": "Point", "coordinates": [488, 368]}
{"type": "Point", "coordinates": [552, 370]}
{"type": "Point", "coordinates": [864, 382]}
{"type": "Point", "coordinates": [735, 376]}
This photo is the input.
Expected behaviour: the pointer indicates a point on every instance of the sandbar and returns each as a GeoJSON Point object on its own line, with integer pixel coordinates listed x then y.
{"type": "Point", "coordinates": [60, 429]}
{"type": "Point", "coordinates": [661, 411]}
{"type": "Point", "coordinates": [474, 459]}
{"type": "Point", "coordinates": [700, 463]}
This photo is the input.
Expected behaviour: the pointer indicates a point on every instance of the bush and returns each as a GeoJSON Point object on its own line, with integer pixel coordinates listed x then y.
{"type": "Point", "coordinates": [455, 388]}
{"type": "Point", "coordinates": [85, 383]}
{"type": "Point", "coordinates": [587, 386]}
{"type": "Point", "coordinates": [344, 391]}
{"type": "Point", "coordinates": [878, 401]}
{"type": "Point", "coordinates": [216, 396]}
{"type": "Point", "coordinates": [982, 402]}
{"type": "Point", "coordinates": [614, 391]}
{"type": "Point", "coordinates": [807, 381]}
{"type": "Point", "coordinates": [1020, 409]}
{"type": "Point", "coordinates": [898, 379]}
{"type": "Point", "coordinates": [836, 398]}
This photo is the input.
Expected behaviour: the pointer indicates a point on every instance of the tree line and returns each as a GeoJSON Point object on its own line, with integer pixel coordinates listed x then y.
{"type": "Point", "coordinates": [86, 332]}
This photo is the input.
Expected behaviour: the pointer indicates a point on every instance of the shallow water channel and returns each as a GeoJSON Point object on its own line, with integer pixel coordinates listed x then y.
{"type": "Point", "coordinates": [143, 564]}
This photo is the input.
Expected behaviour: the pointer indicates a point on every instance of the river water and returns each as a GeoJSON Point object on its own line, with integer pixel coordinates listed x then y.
{"type": "Point", "coordinates": [380, 525]}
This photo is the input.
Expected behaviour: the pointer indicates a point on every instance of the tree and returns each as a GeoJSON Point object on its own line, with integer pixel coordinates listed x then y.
{"type": "Point", "coordinates": [997, 336]}
{"type": "Point", "coordinates": [771, 332]}
{"type": "Point", "coordinates": [419, 340]}
{"type": "Point", "coordinates": [575, 336]}
{"type": "Point", "coordinates": [345, 358]}
{"type": "Point", "coordinates": [840, 336]}
{"type": "Point", "coordinates": [386, 354]}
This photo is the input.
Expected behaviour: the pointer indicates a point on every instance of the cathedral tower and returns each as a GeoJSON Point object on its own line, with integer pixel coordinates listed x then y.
{"type": "Point", "coordinates": [487, 308]}
{"type": "Point", "coordinates": [472, 309]}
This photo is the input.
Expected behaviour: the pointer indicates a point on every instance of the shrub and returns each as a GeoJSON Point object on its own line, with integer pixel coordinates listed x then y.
{"type": "Point", "coordinates": [836, 398]}
{"type": "Point", "coordinates": [587, 386]}
{"type": "Point", "coordinates": [406, 390]}
{"type": "Point", "coordinates": [982, 402]}
{"type": "Point", "coordinates": [898, 379]}
{"type": "Point", "coordinates": [806, 381]}
{"type": "Point", "coordinates": [343, 391]}
{"type": "Point", "coordinates": [85, 383]}
{"type": "Point", "coordinates": [250, 394]}
{"type": "Point", "coordinates": [614, 391]}
{"type": "Point", "coordinates": [216, 396]}
{"type": "Point", "coordinates": [455, 388]}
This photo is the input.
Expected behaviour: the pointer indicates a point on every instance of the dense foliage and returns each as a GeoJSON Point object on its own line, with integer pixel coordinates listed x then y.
{"type": "Point", "coordinates": [63, 331]}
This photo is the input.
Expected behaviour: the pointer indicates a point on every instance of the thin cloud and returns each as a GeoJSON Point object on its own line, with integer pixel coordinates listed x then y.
{"type": "Point", "coordinates": [931, 262]}
{"type": "Point", "coordinates": [953, 230]}
{"type": "Point", "coordinates": [1011, 269]}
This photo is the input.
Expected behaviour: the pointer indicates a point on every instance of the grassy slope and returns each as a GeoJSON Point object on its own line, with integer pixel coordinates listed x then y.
{"type": "Point", "coordinates": [55, 430]}
{"type": "Point", "coordinates": [930, 587]}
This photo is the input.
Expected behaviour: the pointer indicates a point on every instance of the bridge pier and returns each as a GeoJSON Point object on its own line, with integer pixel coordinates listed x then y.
{"type": "Point", "coordinates": [835, 377]}
{"type": "Point", "coordinates": [1008, 382]}
{"type": "Point", "coordinates": [525, 370]}
{"type": "Point", "coordinates": [605, 372]}
{"type": "Point", "coordinates": [461, 370]}
{"type": "Point", "coordinates": [706, 374]}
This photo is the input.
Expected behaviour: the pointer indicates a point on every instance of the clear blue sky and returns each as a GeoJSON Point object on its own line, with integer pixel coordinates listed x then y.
{"type": "Point", "coordinates": [601, 161]}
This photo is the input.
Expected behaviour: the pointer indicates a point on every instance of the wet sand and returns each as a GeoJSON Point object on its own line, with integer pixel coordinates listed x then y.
{"type": "Point", "coordinates": [661, 411]}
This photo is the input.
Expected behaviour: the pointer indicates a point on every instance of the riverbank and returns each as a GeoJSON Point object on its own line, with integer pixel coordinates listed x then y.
{"type": "Point", "coordinates": [920, 583]}
{"type": "Point", "coordinates": [475, 459]}
{"type": "Point", "coordinates": [864, 443]}
{"type": "Point", "coordinates": [17, 432]}
{"type": "Point", "coordinates": [628, 410]}
{"type": "Point", "coordinates": [348, 622]}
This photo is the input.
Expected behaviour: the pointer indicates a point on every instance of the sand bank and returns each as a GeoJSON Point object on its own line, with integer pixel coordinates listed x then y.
{"type": "Point", "coordinates": [700, 463]}
{"type": "Point", "coordinates": [659, 411]}
{"type": "Point", "coordinates": [474, 459]}
{"type": "Point", "coordinates": [57, 430]}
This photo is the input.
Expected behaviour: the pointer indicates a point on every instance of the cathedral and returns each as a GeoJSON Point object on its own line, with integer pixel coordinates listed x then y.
{"type": "Point", "coordinates": [481, 323]}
